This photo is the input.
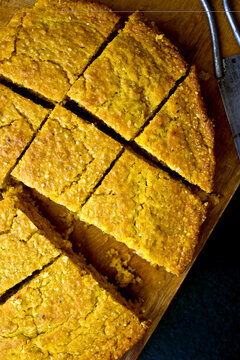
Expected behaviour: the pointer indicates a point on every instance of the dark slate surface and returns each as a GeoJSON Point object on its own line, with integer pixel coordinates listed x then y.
{"type": "Point", "coordinates": [203, 320]}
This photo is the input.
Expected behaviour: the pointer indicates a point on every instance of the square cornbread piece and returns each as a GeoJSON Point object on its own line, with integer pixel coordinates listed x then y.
{"type": "Point", "coordinates": [152, 213]}
{"type": "Point", "coordinates": [67, 159]}
{"type": "Point", "coordinates": [46, 48]}
{"type": "Point", "coordinates": [20, 118]}
{"type": "Point", "coordinates": [66, 313]}
{"type": "Point", "coordinates": [131, 77]}
{"type": "Point", "coordinates": [27, 242]}
{"type": "Point", "coordinates": [182, 136]}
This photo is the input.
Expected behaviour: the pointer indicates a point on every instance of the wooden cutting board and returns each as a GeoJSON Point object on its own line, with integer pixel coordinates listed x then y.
{"type": "Point", "coordinates": [185, 23]}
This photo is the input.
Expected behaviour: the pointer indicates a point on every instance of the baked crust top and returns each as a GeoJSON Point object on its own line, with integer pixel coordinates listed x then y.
{"type": "Point", "coordinates": [65, 313]}
{"type": "Point", "coordinates": [152, 213]}
{"type": "Point", "coordinates": [24, 247]}
{"type": "Point", "coordinates": [131, 77]}
{"type": "Point", "coordinates": [20, 119]}
{"type": "Point", "coordinates": [67, 159]}
{"type": "Point", "coordinates": [182, 135]}
{"type": "Point", "coordinates": [46, 48]}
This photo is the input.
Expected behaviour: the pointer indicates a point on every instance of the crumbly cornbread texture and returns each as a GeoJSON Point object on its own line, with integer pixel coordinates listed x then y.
{"type": "Point", "coordinates": [46, 48]}
{"type": "Point", "coordinates": [19, 120]}
{"type": "Point", "coordinates": [64, 313]}
{"type": "Point", "coordinates": [66, 160]}
{"type": "Point", "coordinates": [131, 77]}
{"type": "Point", "coordinates": [149, 211]}
{"type": "Point", "coordinates": [24, 247]}
{"type": "Point", "coordinates": [182, 136]}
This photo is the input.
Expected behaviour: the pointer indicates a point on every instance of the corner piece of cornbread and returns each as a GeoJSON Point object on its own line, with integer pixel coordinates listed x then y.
{"type": "Point", "coordinates": [67, 159]}
{"type": "Point", "coordinates": [182, 136]}
{"type": "Point", "coordinates": [46, 48]}
{"type": "Point", "coordinates": [65, 313]}
{"type": "Point", "coordinates": [20, 119]}
{"type": "Point", "coordinates": [27, 243]}
{"type": "Point", "coordinates": [131, 77]}
{"type": "Point", "coordinates": [152, 213]}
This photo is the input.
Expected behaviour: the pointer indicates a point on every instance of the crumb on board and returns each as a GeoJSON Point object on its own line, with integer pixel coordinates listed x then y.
{"type": "Point", "coordinates": [125, 274]}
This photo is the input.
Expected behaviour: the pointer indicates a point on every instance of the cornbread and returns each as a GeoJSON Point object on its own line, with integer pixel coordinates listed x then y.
{"type": "Point", "coordinates": [19, 120]}
{"type": "Point", "coordinates": [182, 136]}
{"type": "Point", "coordinates": [52, 304]}
{"type": "Point", "coordinates": [67, 159]}
{"type": "Point", "coordinates": [46, 48]}
{"type": "Point", "coordinates": [65, 313]}
{"type": "Point", "coordinates": [131, 77]}
{"type": "Point", "coordinates": [125, 274]}
{"type": "Point", "coordinates": [152, 213]}
{"type": "Point", "coordinates": [24, 245]}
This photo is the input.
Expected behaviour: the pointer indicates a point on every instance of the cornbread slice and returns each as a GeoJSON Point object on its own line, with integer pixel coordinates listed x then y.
{"type": "Point", "coordinates": [27, 243]}
{"type": "Point", "coordinates": [65, 313]}
{"type": "Point", "coordinates": [182, 136]}
{"type": "Point", "coordinates": [46, 48]}
{"type": "Point", "coordinates": [20, 118]}
{"type": "Point", "coordinates": [131, 77]}
{"type": "Point", "coordinates": [66, 160]}
{"type": "Point", "coordinates": [152, 213]}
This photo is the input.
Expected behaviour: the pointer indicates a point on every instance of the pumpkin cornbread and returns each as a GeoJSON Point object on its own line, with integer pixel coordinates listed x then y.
{"type": "Point", "coordinates": [152, 213]}
{"type": "Point", "coordinates": [65, 313]}
{"type": "Point", "coordinates": [46, 48]}
{"type": "Point", "coordinates": [25, 244]}
{"type": "Point", "coordinates": [182, 136]}
{"type": "Point", "coordinates": [67, 159]}
{"type": "Point", "coordinates": [19, 120]}
{"type": "Point", "coordinates": [131, 77]}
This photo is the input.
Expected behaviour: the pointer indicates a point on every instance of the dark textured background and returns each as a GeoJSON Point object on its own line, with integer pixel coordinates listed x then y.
{"type": "Point", "coordinates": [203, 320]}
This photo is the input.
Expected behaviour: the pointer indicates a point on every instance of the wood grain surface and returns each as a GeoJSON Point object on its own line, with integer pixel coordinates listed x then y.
{"type": "Point", "coordinates": [185, 23]}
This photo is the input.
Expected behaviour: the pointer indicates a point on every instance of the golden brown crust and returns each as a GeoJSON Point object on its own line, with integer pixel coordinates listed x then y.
{"type": "Point", "coordinates": [182, 136]}
{"type": "Point", "coordinates": [131, 77]}
{"type": "Point", "coordinates": [68, 311]}
{"type": "Point", "coordinates": [20, 118]}
{"type": "Point", "coordinates": [64, 313]}
{"type": "Point", "coordinates": [24, 246]}
{"type": "Point", "coordinates": [67, 159]}
{"type": "Point", "coordinates": [46, 48]}
{"type": "Point", "coordinates": [146, 209]}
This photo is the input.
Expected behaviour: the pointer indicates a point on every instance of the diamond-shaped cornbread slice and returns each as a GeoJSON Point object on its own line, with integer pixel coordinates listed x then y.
{"type": "Point", "coordinates": [27, 242]}
{"type": "Point", "coordinates": [131, 77]}
{"type": "Point", "coordinates": [20, 118]}
{"type": "Point", "coordinates": [46, 48]}
{"type": "Point", "coordinates": [65, 312]}
{"type": "Point", "coordinates": [67, 159]}
{"type": "Point", "coordinates": [182, 136]}
{"type": "Point", "coordinates": [152, 213]}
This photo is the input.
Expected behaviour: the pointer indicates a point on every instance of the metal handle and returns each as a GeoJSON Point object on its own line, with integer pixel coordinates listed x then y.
{"type": "Point", "coordinates": [216, 47]}
{"type": "Point", "coordinates": [232, 21]}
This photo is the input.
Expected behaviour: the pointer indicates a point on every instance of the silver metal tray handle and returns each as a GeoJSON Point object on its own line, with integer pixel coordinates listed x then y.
{"type": "Point", "coordinates": [216, 47]}
{"type": "Point", "coordinates": [232, 20]}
